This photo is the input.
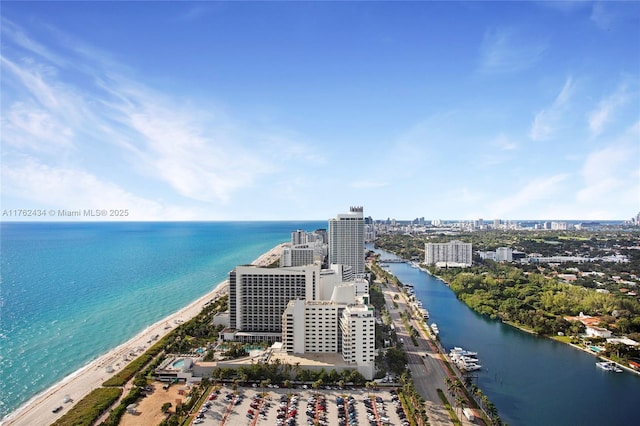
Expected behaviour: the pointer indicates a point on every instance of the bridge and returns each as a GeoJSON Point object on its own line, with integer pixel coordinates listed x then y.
{"type": "Point", "coordinates": [392, 261]}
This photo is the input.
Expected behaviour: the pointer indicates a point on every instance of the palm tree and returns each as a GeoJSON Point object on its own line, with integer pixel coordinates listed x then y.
{"type": "Point", "coordinates": [458, 386]}
{"type": "Point", "coordinates": [459, 402]}
{"type": "Point", "coordinates": [264, 383]}
{"type": "Point", "coordinates": [449, 383]}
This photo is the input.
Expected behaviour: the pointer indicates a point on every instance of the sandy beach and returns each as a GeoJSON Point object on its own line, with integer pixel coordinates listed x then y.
{"type": "Point", "coordinates": [38, 410]}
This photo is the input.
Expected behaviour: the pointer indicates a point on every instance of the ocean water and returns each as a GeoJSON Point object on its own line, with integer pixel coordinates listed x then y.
{"type": "Point", "coordinates": [69, 292]}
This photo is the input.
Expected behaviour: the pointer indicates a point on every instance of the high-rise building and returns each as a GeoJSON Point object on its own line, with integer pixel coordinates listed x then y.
{"type": "Point", "coordinates": [297, 255]}
{"type": "Point", "coordinates": [454, 253]}
{"type": "Point", "coordinates": [346, 240]}
{"type": "Point", "coordinates": [258, 296]}
{"type": "Point", "coordinates": [345, 325]}
{"type": "Point", "coordinates": [358, 328]}
{"type": "Point", "coordinates": [298, 237]}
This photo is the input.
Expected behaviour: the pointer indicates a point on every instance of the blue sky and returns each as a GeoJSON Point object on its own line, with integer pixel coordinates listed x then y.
{"type": "Point", "coordinates": [298, 110]}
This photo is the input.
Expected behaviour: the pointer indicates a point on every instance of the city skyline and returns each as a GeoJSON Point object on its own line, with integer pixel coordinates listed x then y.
{"type": "Point", "coordinates": [240, 111]}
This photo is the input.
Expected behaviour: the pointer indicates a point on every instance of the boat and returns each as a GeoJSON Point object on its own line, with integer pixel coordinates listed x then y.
{"type": "Point", "coordinates": [458, 351]}
{"type": "Point", "coordinates": [471, 366]}
{"type": "Point", "coordinates": [609, 366]}
{"type": "Point", "coordinates": [434, 329]}
{"type": "Point", "coordinates": [464, 359]}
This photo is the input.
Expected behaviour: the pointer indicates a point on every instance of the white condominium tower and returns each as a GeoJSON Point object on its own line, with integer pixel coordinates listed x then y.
{"type": "Point", "coordinates": [346, 240]}
{"type": "Point", "coordinates": [345, 325]}
{"type": "Point", "coordinates": [455, 253]}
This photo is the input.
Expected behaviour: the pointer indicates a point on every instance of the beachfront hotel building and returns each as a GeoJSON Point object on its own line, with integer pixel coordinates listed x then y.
{"type": "Point", "coordinates": [344, 325]}
{"type": "Point", "coordinates": [452, 254]}
{"type": "Point", "coordinates": [304, 254]}
{"type": "Point", "coordinates": [346, 240]}
{"type": "Point", "coordinates": [258, 296]}
{"type": "Point", "coordinates": [297, 255]}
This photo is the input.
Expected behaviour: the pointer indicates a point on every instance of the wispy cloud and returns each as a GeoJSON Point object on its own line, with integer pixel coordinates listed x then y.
{"type": "Point", "coordinates": [506, 50]}
{"type": "Point", "coordinates": [201, 156]}
{"type": "Point", "coordinates": [611, 172]}
{"type": "Point", "coordinates": [368, 184]}
{"type": "Point", "coordinates": [600, 116]}
{"type": "Point", "coordinates": [195, 11]}
{"type": "Point", "coordinates": [545, 122]}
{"type": "Point", "coordinates": [529, 196]}
{"type": "Point", "coordinates": [20, 38]}
{"type": "Point", "coordinates": [65, 188]}
{"type": "Point", "coordinates": [504, 143]}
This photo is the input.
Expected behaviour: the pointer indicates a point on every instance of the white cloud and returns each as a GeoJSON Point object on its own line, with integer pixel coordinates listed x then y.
{"type": "Point", "coordinates": [71, 189]}
{"type": "Point", "coordinates": [529, 196]}
{"type": "Point", "coordinates": [368, 184]}
{"type": "Point", "coordinates": [195, 11]}
{"type": "Point", "coordinates": [610, 175]}
{"type": "Point", "coordinates": [599, 117]}
{"type": "Point", "coordinates": [504, 143]}
{"type": "Point", "coordinates": [601, 15]}
{"type": "Point", "coordinates": [30, 127]}
{"type": "Point", "coordinates": [546, 121]}
{"type": "Point", "coordinates": [195, 151]}
{"type": "Point", "coordinates": [15, 33]}
{"type": "Point", "coordinates": [505, 50]}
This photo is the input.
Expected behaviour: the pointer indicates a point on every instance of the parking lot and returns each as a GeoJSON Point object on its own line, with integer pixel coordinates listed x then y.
{"type": "Point", "coordinates": [289, 407]}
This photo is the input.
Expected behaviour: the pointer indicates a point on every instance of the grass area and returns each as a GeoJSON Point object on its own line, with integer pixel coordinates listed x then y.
{"type": "Point", "coordinates": [137, 364]}
{"type": "Point", "coordinates": [563, 339]}
{"type": "Point", "coordinates": [452, 414]}
{"type": "Point", "coordinates": [90, 408]}
{"type": "Point", "coordinates": [409, 408]}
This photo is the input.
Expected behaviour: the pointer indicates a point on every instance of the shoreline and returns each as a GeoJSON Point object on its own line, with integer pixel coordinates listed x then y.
{"type": "Point", "coordinates": [525, 330]}
{"type": "Point", "coordinates": [38, 409]}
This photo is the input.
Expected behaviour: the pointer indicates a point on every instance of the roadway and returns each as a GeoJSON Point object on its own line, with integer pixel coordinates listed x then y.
{"type": "Point", "coordinates": [428, 371]}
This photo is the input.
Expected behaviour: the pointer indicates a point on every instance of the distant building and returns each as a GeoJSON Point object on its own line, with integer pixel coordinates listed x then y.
{"type": "Point", "coordinates": [298, 255]}
{"type": "Point", "coordinates": [298, 237]}
{"type": "Point", "coordinates": [346, 240]}
{"type": "Point", "coordinates": [504, 254]}
{"type": "Point", "coordinates": [559, 226]}
{"type": "Point", "coordinates": [453, 254]}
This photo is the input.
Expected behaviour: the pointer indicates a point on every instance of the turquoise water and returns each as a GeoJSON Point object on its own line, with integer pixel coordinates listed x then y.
{"type": "Point", "coordinates": [70, 292]}
{"type": "Point", "coordinates": [178, 364]}
{"type": "Point", "coordinates": [531, 380]}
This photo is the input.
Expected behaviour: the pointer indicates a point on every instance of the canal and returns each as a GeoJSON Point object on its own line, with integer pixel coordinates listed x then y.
{"type": "Point", "coordinates": [531, 380]}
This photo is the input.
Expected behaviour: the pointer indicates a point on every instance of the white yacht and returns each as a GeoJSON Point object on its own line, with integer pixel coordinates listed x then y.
{"type": "Point", "coordinates": [609, 366]}
{"type": "Point", "coordinates": [470, 366]}
{"type": "Point", "coordinates": [462, 352]}
{"type": "Point", "coordinates": [434, 329]}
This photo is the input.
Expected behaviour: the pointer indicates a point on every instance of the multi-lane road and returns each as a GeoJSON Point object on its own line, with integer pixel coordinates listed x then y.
{"type": "Point", "coordinates": [428, 371]}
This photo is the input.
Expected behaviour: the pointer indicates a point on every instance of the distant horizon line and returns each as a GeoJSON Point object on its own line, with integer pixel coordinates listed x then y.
{"type": "Point", "coordinates": [487, 221]}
